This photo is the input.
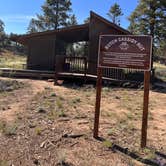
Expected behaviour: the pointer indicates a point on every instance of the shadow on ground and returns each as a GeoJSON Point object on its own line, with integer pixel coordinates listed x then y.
{"type": "Point", "coordinates": [157, 85]}
{"type": "Point", "coordinates": [159, 159]}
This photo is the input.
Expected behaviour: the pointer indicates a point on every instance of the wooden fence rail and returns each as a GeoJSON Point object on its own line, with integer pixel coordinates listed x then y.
{"type": "Point", "coordinates": [122, 74]}
{"type": "Point", "coordinates": [80, 65]}
{"type": "Point", "coordinates": [75, 65]}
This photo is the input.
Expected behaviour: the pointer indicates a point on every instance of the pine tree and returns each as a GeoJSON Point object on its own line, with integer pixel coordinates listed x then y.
{"type": "Point", "coordinates": [161, 51]}
{"type": "Point", "coordinates": [55, 15]}
{"type": "Point", "coordinates": [149, 18]}
{"type": "Point", "coordinates": [87, 20]}
{"type": "Point", "coordinates": [114, 13]}
{"type": "Point", "coordinates": [35, 26]}
{"type": "Point", "coordinates": [1, 26]}
{"type": "Point", "coordinates": [72, 20]}
{"type": "Point", "coordinates": [2, 34]}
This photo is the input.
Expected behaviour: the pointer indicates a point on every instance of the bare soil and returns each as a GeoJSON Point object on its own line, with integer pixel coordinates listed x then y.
{"type": "Point", "coordinates": [47, 125]}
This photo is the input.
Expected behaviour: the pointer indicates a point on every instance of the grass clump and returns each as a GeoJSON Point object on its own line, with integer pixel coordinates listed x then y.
{"type": "Point", "coordinates": [130, 116]}
{"type": "Point", "coordinates": [107, 144]}
{"type": "Point", "coordinates": [52, 114]}
{"type": "Point", "coordinates": [62, 157]}
{"type": "Point", "coordinates": [8, 129]}
{"type": "Point", "coordinates": [76, 100]}
{"type": "Point", "coordinates": [38, 131]}
{"type": "Point", "coordinates": [3, 163]}
{"type": "Point", "coordinates": [10, 85]}
{"type": "Point", "coordinates": [61, 113]}
{"type": "Point", "coordinates": [59, 104]}
{"type": "Point", "coordinates": [111, 131]}
{"type": "Point", "coordinates": [149, 154]}
{"type": "Point", "coordinates": [55, 114]}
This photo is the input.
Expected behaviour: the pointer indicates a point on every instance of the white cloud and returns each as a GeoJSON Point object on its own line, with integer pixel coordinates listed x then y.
{"type": "Point", "coordinates": [17, 18]}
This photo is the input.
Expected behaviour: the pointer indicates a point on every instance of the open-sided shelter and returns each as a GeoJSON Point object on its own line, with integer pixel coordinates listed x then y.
{"type": "Point", "coordinates": [46, 50]}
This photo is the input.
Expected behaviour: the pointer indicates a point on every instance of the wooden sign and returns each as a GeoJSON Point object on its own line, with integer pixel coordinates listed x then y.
{"type": "Point", "coordinates": [124, 51]}
{"type": "Point", "coordinates": [121, 51]}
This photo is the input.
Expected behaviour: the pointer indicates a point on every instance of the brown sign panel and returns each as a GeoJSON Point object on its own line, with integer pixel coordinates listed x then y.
{"type": "Point", "coordinates": [125, 51]}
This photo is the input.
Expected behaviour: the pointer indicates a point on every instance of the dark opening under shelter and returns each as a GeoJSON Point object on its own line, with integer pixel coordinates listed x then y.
{"type": "Point", "coordinates": [47, 50]}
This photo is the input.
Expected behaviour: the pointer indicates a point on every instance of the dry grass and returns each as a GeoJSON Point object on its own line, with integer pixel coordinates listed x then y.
{"type": "Point", "coordinates": [52, 114]}
{"type": "Point", "coordinates": [160, 70]}
{"type": "Point", "coordinates": [159, 66]}
{"type": "Point", "coordinates": [8, 129]}
{"type": "Point", "coordinates": [11, 60]}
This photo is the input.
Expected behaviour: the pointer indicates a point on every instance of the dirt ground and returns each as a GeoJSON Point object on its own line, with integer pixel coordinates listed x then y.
{"type": "Point", "coordinates": [47, 125]}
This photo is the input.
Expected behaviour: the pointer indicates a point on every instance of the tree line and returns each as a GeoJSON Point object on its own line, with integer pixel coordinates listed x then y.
{"type": "Point", "coordinates": [148, 18]}
{"type": "Point", "coordinates": [4, 38]}
{"type": "Point", "coordinates": [6, 43]}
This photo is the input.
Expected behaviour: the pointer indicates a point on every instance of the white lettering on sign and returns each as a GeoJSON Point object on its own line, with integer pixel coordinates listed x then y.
{"type": "Point", "coordinates": [112, 42]}
{"type": "Point", "coordinates": [123, 43]}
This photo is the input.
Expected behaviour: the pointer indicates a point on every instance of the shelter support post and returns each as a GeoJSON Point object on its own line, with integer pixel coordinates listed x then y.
{"type": "Point", "coordinates": [55, 76]}
{"type": "Point", "coordinates": [85, 70]}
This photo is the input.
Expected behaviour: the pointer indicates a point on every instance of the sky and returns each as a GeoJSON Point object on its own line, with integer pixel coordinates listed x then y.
{"type": "Point", "coordinates": [16, 14]}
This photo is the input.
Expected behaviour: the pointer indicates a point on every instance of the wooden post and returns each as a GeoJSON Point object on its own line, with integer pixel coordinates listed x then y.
{"type": "Point", "coordinates": [54, 53]}
{"type": "Point", "coordinates": [55, 78]}
{"type": "Point", "coordinates": [145, 108]}
{"type": "Point", "coordinates": [85, 70]}
{"type": "Point", "coordinates": [98, 99]}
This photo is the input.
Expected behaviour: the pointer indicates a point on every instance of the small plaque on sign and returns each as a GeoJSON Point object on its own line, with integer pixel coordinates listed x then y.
{"type": "Point", "coordinates": [125, 51]}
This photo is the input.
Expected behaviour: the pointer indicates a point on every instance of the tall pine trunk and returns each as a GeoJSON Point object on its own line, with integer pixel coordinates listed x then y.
{"type": "Point", "coordinates": [57, 13]}
{"type": "Point", "coordinates": [152, 33]}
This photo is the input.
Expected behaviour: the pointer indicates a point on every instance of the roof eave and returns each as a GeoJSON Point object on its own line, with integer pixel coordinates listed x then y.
{"type": "Point", "coordinates": [23, 38]}
{"type": "Point", "coordinates": [93, 14]}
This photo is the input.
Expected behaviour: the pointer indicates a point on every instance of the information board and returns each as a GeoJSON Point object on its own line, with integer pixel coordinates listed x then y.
{"type": "Point", "coordinates": [125, 51]}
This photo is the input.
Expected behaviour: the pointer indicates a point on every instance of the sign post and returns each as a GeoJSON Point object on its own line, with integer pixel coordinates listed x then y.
{"type": "Point", "coordinates": [124, 51]}
{"type": "Point", "coordinates": [145, 108]}
{"type": "Point", "coordinates": [98, 100]}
